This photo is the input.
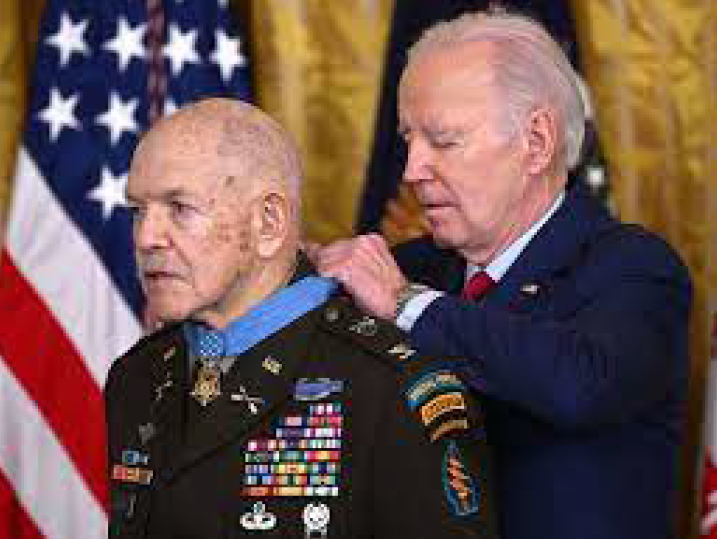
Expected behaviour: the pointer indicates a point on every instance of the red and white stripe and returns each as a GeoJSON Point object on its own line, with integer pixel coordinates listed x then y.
{"type": "Point", "coordinates": [708, 523]}
{"type": "Point", "coordinates": [63, 322]}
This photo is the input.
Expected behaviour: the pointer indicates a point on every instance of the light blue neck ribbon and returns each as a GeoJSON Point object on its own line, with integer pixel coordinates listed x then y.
{"type": "Point", "coordinates": [274, 313]}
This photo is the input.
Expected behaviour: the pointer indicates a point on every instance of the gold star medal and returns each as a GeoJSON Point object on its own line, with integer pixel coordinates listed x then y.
{"type": "Point", "coordinates": [208, 384]}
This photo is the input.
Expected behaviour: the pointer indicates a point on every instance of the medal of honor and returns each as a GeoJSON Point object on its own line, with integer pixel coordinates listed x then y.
{"type": "Point", "coordinates": [207, 387]}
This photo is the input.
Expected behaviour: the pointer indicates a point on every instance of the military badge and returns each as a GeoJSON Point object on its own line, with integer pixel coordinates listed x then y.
{"type": "Point", "coordinates": [316, 520]}
{"type": "Point", "coordinates": [128, 474]}
{"type": "Point", "coordinates": [272, 365]}
{"type": "Point", "coordinates": [449, 426]}
{"type": "Point", "coordinates": [132, 458]}
{"type": "Point", "coordinates": [402, 350]}
{"type": "Point", "coordinates": [313, 390]}
{"type": "Point", "coordinates": [146, 432]}
{"type": "Point", "coordinates": [430, 384]}
{"type": "Point", "coordinates": [252, 403]}
{"type": "Point", "coordinates": [258, 519]}
{"type": "Point", "coordinates": [440, 405]}
{"type": "Point", "coordinates": [160, 389]}
{"type": "Point", "coordinates": [208, 385]}
{"type": "Point", "coordinates": [463, 497]}
{"type": "Point", "coordinates": [366, 326]}
{"type": "Point", "coordinates": [301, 457]}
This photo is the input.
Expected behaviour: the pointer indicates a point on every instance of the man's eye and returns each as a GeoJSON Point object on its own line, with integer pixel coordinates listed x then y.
{"type": "Point", "coordinates": [444, 144]}
{"type": "Point", "coordinates": [135, 211]}
{"type": "Point", "coordinates": [180, 209]}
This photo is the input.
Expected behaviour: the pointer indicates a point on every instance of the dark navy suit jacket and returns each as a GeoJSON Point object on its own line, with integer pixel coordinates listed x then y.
{"type": "Point", "coordinates": [582, 347]}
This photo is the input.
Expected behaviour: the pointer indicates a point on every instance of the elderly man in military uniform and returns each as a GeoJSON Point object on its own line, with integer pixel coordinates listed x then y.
{"type": "Point", "coordinates": [267, 405]}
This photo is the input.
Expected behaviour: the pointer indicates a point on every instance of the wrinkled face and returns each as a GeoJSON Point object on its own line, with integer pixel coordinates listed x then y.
{"type": "Point", "coordinates": [192, 230]}
{"type": "Point", "coordinates": [465, 162]}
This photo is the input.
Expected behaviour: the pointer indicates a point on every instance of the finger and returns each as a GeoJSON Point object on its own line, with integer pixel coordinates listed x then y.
{"type": "Point", "coordinates": [369, 251]}
{"type": "Point", "coordinates": [311, 250]}
{"type": "Point", "coordinates": [330, 255]}
{"type": "Point", "coordinates": [384, 258]}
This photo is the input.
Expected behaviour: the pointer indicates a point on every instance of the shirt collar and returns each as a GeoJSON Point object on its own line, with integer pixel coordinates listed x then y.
{"type": "Point", "coordinates": [502, 263]}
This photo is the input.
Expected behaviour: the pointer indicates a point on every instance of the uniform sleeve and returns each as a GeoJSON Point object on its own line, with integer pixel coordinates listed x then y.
{"type": "Point", "coordinates": [432, 471]}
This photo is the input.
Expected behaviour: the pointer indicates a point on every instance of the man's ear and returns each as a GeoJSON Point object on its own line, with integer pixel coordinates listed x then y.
{"type": "Point", "coordinates": [272, 223]}
{"type": "Point", "coordinates": [541, 140]}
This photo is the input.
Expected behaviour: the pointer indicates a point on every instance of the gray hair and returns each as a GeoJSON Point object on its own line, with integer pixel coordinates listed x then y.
{"type": "Point", "coordinates": [248, 133]}
{"type": "Point", "coordinates": [530, 68]}
{"type": "Point", "coordinates": [244, 138]}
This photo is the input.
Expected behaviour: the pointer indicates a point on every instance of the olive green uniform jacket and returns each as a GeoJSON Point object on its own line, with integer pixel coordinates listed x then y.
{"type": "Point", "coordinates": [314, 434]}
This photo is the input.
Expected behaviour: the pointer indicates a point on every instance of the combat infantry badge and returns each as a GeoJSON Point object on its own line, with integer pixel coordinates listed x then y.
{"type": "Point", "coordinates": [207, 387]}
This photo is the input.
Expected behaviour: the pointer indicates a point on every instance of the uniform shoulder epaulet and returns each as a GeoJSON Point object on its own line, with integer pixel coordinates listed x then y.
{"type": "Point", "coordinates": [431, 387]}
{"type": "Point", "coordinates": [382, 339]}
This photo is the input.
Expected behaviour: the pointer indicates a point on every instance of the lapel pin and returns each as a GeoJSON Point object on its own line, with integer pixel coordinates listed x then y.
{"type": "Point", "coordinates": [531, 289]}
{"type": "Point", "coordinates": [252, 403]}
{"type": "Point", "coordinates": [169, 354]}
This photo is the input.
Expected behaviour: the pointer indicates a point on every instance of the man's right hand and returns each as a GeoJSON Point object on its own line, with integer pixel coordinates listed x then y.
{"type": "Point", "coordinates": [365, 267]}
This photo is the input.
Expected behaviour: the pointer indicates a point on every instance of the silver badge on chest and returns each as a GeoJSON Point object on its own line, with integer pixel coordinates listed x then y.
{"type": "Point", "coordinates": [316, 520]}
{"type": "Point", "coordinates": [259, 518]}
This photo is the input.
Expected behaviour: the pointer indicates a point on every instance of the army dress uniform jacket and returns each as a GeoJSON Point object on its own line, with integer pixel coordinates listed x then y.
{"type": "Point", "coordinates": [314, 434]}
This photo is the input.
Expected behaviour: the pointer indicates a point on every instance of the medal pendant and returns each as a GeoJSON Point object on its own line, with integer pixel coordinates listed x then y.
{"type": "Point", "coordinates": [208, 385]}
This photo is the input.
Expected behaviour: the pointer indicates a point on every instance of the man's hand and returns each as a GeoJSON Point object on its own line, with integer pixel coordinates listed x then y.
{"type": "Point", "coordinates": [366, 269]}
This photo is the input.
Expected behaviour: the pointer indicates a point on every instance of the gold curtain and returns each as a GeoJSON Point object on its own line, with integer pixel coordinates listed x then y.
{"type": "Point", "coordinates": [651, 67]}
{"type": "Point", "coordinates": [19, 21]}
{"type": "Point", "coordinates": [12, 93]}
{"type": "Point", "coordinates": [317, 68]}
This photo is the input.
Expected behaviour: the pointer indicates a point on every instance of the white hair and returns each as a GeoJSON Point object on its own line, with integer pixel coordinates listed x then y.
{"type": "Point", "coordinates": [530, 69]}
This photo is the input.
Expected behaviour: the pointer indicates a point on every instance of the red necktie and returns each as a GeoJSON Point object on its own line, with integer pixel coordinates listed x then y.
{"type": "Point", "coordinates": [477, 285]}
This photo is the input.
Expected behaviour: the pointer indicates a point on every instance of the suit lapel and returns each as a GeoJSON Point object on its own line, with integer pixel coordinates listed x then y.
{"type": "Point", "coordinates": [259, 382]}
{"type": "Point", "coordinates": [555, 249]}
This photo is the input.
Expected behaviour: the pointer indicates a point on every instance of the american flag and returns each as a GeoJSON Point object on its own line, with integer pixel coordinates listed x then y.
{"type": "Point", "coordinates": [708, 523]}
{"type": "Point", "coordinates": [69, 299]}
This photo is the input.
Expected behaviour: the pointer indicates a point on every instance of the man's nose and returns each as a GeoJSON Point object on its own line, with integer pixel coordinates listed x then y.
{"type": "Point", "coordinates": [417, 163]}
{"type": "Point", "coordinates": [150, 229]}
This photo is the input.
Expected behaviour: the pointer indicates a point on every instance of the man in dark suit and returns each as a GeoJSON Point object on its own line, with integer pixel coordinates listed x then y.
{"type": "Point", "coordinates": [266, 405]}
{"type": "Point", "coordinates": [571, 323]}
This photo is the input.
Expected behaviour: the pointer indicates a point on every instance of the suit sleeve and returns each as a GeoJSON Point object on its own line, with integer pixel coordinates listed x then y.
{"type": "Point", "coordinates": [608, 341]}
{"type": "Point", "coordinates": [431, 489]}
